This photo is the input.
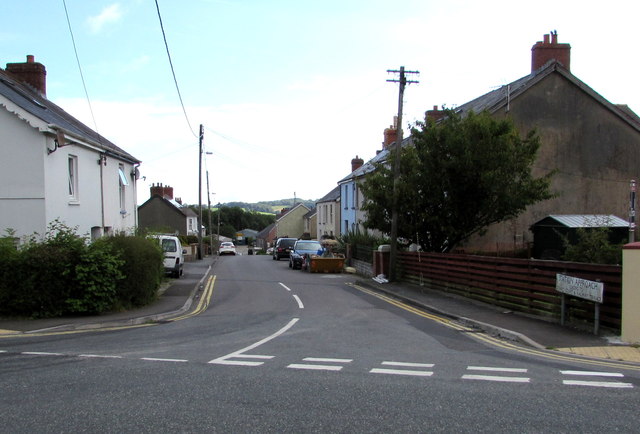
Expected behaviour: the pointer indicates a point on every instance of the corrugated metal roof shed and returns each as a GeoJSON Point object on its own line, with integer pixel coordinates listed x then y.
{"type": "Point", "coordinates": [585, 221]}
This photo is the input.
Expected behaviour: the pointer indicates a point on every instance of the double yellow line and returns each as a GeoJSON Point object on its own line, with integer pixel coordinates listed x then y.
{"type": "Point", "coordinates": [496, 342]}
{"type": "Point", "coordinates": [203, 303]}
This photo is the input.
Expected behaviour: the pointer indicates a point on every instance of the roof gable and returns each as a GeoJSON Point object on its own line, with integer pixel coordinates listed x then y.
{"type": "Point", "coordinates": [500, 98]}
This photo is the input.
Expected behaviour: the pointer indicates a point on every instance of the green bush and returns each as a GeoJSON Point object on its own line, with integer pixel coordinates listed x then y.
{"type": "Point", "coordinates": [98, 275]}
{"type": "Point", "coordinates": [63, 274]}
{"type": "Point", "coordinates": [142, 268]}
{"type": "Point", "coordinates": [45, 273]}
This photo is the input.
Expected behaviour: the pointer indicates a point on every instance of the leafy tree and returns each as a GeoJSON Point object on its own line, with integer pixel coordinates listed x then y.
{"type": "Point", "coordinates": [594, 246]}
{"type": "Point", "coordinates": [460, 176]}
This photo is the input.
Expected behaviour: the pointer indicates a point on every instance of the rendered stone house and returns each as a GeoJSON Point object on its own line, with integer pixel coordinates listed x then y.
{"type": "Point", "coordinates": [53, 167]}
{"type": "Point", "coordinates": [290, 223]}
{"type": "Point", "coordinates": [592, 144]}
{"type": "Point", "coordinates": [311, 223]}
{"type": "Point", "coordinates": [162, 213]}
{"type": "Point", "coordinates": [328, 214]}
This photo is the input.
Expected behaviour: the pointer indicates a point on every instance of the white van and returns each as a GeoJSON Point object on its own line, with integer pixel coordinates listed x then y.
{"type": "Point", "coordinates": [173, 254]}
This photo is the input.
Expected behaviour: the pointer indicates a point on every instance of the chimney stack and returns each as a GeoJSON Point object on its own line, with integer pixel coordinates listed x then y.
{"type": "Point", "coordinates": [390, 134]}
{"type": "Point", "coordinates": [544, 51]}
{"type": "Point", "coordinates": [31, 73]}
{"type": "Point", "coordinates": [163, 191]}
{"type": "Point", "coordinates": [356, 163]}
{"type": "Point", "coordinates": [434, 114]}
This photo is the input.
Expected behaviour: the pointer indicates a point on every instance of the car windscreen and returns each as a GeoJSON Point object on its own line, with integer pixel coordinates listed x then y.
{"type": "Point", "coordinates": [169, 245]}
{"type": "Point", "coordinates": [309, 245]}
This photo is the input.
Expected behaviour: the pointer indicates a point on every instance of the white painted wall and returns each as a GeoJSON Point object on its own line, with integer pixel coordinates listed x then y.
{"type": "Point", "coordinates": [34, 184]}
{"type": "Point", "coordinates": [22, 203]}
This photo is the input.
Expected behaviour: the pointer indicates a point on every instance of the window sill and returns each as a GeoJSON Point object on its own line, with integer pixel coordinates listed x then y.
{"type": "Point", "coordinates": [74, 202]}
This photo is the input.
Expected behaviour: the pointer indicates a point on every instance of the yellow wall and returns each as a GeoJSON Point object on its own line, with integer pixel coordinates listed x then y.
{"type": "Point", "coordinates": [631, 293]}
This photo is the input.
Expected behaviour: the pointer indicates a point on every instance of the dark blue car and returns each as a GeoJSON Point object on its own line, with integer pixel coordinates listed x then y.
{"type": "Point", "coordinates": [300, 249]}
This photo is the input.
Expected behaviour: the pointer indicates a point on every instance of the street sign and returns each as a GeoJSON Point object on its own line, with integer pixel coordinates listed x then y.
{"type": "Point", "coordinates": [580, 288]}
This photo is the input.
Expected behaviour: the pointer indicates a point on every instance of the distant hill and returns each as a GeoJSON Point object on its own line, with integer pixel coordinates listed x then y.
{"type": "Point", "coordinates": [270, 206]}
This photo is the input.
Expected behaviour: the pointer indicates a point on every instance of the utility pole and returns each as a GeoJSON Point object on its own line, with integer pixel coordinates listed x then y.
{"type": "Point", "coordinates": [396, 170]}
{"type": "Point", "coordinates": [209, 208]}
{"type": "Point", "coordinates": [632, 211]}
{"type": "Point", "coordinates": [200, 192]}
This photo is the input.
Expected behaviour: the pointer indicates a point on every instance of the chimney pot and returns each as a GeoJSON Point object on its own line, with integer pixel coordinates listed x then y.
{"type": "Point", "coordinates": [31, 73]}
{"type": "Point", "coordinates": [356, 163]}
{"type": "Point", "coordinates": [543, 52]}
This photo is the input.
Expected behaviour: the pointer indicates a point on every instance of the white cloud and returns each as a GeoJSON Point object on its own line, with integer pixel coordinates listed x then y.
{"type": "Point", "coordinates": [109, 15]}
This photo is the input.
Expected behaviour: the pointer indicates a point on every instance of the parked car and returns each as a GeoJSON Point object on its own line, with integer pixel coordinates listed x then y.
{"type": "Point", "coordinates": [301, 249]}
{"type": "Point", "coordinates": [283, 248]}
{"type": "Point", "coordinates": [227, 248]}
{"type": "Point", "coordinates": [173, 254]}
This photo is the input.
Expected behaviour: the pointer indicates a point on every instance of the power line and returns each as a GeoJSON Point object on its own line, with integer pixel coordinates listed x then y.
{"type": "Point", "coordinates": [175, 80]}
{"type": "Point", "coordinates": [84, 85]}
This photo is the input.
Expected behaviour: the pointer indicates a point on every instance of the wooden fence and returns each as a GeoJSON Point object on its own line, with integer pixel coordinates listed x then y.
{"type": "Point", "coordinates": [516, 284]}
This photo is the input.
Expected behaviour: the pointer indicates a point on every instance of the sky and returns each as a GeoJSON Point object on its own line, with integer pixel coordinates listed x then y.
{"type": "Point", "coordinates": [288, 92]}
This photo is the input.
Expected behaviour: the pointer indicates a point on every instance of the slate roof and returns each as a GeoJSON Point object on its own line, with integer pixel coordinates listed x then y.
{"type": "Point", "coordinates": [31, 101]}
{"type": "Point", "coordinates": [184, 210]}
{"type": "Point", "coordinates": [265, 232]}
{"type": "Point", "coordinates": [332, 196]}
{"type": "Point", "coordinates": [369, 166]}
{"type": "Point", "coordinates": [500, 98]}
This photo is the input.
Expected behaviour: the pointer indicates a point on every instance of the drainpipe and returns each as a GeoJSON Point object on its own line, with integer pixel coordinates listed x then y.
{"type": "Point", "coordinates": [102, 162]}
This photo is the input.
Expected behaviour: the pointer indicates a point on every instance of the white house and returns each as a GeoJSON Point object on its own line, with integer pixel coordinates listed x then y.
{"type": "Point", "coordinates": [55, 167]}
{"type": "Point", "coordinates": [328, 214]}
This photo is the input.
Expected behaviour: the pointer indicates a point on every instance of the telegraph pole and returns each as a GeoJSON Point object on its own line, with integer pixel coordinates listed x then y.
{"type": "Point", "coordinates": [396, 169]}
{"type": "Point", "coordinates": [200, 191]}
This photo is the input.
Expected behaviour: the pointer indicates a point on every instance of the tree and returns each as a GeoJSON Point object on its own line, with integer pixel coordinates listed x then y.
{"type": "Point", "coordinates": [458, 176]}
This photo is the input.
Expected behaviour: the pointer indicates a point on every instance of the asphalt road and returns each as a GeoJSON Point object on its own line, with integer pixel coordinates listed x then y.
{"type": "Point", "coordinates": [280, 350]}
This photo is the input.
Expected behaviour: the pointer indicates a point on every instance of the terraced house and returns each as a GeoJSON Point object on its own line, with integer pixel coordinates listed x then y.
{"type": "Point", "coordinates": [53, 167]}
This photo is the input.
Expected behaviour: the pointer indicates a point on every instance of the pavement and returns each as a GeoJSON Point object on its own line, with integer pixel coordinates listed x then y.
{"type": "Point", "coordinates": [177, 297]}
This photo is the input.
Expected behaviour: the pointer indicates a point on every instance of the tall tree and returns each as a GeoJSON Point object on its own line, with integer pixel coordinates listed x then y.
{"type": "Point", "coordinates": [459, 176]}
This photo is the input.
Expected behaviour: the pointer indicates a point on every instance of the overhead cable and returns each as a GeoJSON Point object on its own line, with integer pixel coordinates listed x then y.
{"type": "Point", "coordinates": [175, 80]}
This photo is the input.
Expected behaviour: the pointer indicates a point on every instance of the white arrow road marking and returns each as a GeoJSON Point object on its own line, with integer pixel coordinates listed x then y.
{"type": "Point", "coordinates": [320, 367]}
{"type": "Point", "coordinates": [153, 359]}
{"type": "Point", "coordinates": [409, 372]}
{"type": "Point", "coordinates": [496, 377]}
{"type": "Point", "coordinates": [224, 360]}
{"type": "Point", "coordinates": [300, 305]}
{"type": "Point", "coordinates": [285, 286]}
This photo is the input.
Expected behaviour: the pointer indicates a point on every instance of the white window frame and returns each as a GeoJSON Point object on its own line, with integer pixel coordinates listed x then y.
{"type": "Point", "coordinates": [122, 184]}
{"type": "Point", "coordinates": [72, 177]}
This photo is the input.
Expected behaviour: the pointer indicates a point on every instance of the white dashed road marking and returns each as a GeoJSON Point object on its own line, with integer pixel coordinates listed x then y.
{"type": "Point", "coordinates": [608, 384]}
{"type": "Point", "coordinates": [409, 372]}
{"type": "Point", "coordinates": [505, 379]}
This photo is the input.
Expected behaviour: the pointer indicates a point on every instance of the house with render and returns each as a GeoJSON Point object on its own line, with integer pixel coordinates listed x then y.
{"type": "Point", "coordinates": [290, 222]}
{"type": "Point", "coordinates": [53, 167]}
{"type": "Point", "coordinates": [162, 213]}
{"type": "Point", "coordinates": [591, 144]}
{"type": "Point", "coordinates": [328, 214]}
{"type": "Point", "coordinates": [352, 216]}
